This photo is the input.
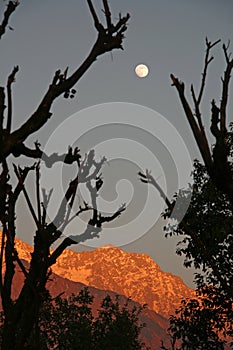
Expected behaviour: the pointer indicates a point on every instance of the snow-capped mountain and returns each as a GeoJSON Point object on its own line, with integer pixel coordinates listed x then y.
{"type": "Point", "coordinates": [110, 270]}
{"type": "Point", "coordinates": [130, 274]}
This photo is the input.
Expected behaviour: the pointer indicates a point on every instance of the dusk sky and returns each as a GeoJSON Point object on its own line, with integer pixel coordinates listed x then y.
{"type": "Point", "coordinates": [146, 128]}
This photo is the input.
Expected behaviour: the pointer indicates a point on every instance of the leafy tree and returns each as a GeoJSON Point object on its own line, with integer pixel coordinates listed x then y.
{"type": "Point", "coordinates": [206, 229]}
{"type": "Point", "coordinates": [117, 327]}
{"type": "Point", "coordinates": [20, 315]}
{"type": "Point", "coordinates": [70, 324]}
{"type": "Point", "coordinates": [202, 323]}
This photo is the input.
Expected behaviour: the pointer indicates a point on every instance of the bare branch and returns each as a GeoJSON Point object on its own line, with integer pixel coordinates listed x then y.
{"type": "Point", "coordinates": [197, 100]}
{"type": "Point", "coordinates": [86, 171]}
{"type": "Point", "coordinates": [93, 229]}
{"type": "Point", "coordinates": [21, 177]}
{"type": "Point", "coordinates": [81, 210]}
{"type": "Point", "coordinates": [198, 129]}
{"type": "Point", "coordinates": [89, 233]}
{"type": "Point", "coordinates": [11, 6]}
{"type": "Point", "coordinates": [70, 157]}
{"type": "Point", "coordinates": [215, 120]}
{"type": "Point", "coordinates": [10, 233]}
{"type": "Point", "coordinates": [198, 134]}
{"type": "Point", "coordinates": [98, 26]}
{"type": "Point", "coordinates": [10, 80]}
{"type": "Point", "coordinates": [225, 50]}
{"type": "Point", "coordinates": [3, 238]}
{"type": "Point", "coordinates": [148, 178]}
{"type": "Point", "coordinates": [225, 87]}
{"type": "Point", "coordinates": [103, 219]}
{"type": "Point", "coordinates": [5, 188]}
{"type": "Point", "coordinates": [60, 216]}
{"type": "Point", "coordinates": [208, 59]}
{"type": "Point", "coordinates": [21, 265]}
{"type": "Point", "coordinates": [107, 15]}
{"type": "Point", "coordinates": [94, 225]}
{"type": "Point", "coordinates": [105, 42]}
{"type": "Point", "coordinates": [46, 199]}
{"type": "Point", "coordinates": [2, 108]}
{"type": "Point", "coordinates": [38, 200]}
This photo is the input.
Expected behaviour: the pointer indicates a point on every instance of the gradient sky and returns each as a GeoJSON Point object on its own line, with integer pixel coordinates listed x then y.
{"type": "Point", "coordinates": [167, 35]}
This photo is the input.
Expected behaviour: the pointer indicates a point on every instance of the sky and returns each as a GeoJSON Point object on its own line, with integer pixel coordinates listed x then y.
{"type": "Point", "coordinates": [137, 123]}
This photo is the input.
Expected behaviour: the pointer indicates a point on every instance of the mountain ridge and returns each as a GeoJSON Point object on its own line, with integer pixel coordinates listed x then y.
{"type": "Point", "coordinates": [134, 275]}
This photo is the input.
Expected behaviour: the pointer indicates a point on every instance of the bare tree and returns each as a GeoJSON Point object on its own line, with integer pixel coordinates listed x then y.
{"type": "Point", "coordinates": [216, 159]}
{"type": "Point", "coordinates": [20, 315]}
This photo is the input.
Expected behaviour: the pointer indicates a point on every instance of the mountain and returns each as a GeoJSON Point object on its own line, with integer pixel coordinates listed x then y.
{"type": "Point", "coordinates": [156, 325]}
{"type": "Point", "coordinates": [110, 270]}
{"type": "Point", "coordinates": [131, 274]}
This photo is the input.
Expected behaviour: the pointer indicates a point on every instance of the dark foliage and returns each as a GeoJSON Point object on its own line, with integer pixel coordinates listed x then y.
{"type": "Point", "coordinates": [71, 324]}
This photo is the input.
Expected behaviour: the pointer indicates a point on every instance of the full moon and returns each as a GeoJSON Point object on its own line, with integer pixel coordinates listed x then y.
{"type": "Point", "coordinates": [141, 70]}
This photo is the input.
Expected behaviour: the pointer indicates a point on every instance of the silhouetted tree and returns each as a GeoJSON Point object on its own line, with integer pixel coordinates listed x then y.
{"type": "Point", "coordinates": [20, 315]}
{"type": "Point", "coordinates": [70, 324]}
{"type": "Point", "coordinates": [217, 159]}
{"type": "Point", "coordinates": [207, 226]}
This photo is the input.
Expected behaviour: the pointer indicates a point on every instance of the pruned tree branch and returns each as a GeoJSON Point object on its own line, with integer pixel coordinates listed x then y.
{"type": "Point", "coordinates": [2, 107]}
{"type": "Point", "coordinates": [108, 16]}
{"type": "Point", "coordinates": [11, 7]}
{"type": "Point", "coordinates": [3, 242]}
{"type": "Point", "coordinates": [72, 155]}
{"type": "Point", "coordinates": [38, 199]}
{"type": "Point", "coordinates": [149, 179]}
{"type": "Point", "coordinates": [10, 234]}
{"type": "Point", "coordinates": [106, 41]}
{"type": "Point", "coordinates": [20, 175]}
{"type": "Point", "coordinates": [10, 80]}
{"type": "Point", "coordinates": [217, 159]}
{"type": "Point", "coordinates": [68, 220]}
{"type": "Point", "coordinates": [197, 100]}
{"type": "Point", "coordinates": [93, 229]}
{"type": "Point", "coordinates": [103, 219]}
{"type": "Point", "coordinates": [198, 134]}
{"type": "Point", "coordinates": [46, 199]}
{"type": "Point", "coordinates": [225, 88]}
{"type": "Point", "coordinates": [208, 59]}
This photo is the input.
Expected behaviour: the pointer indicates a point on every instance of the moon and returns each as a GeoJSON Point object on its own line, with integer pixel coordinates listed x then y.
{"type": "Point", "coordinates": [141, 70]}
